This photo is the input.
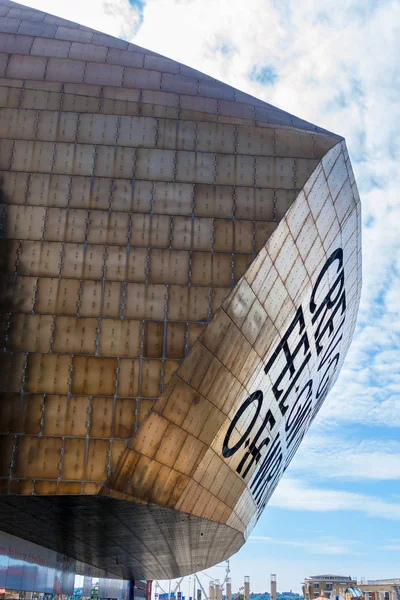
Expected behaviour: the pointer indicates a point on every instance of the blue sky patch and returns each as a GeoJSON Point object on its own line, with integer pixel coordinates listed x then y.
{"type": "Point", "coordinates": [139, 5]}
{"type": "Point", "coordinates": [266, 75]}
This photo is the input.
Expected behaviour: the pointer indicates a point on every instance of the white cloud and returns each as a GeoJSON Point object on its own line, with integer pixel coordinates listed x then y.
{"type": "Point", "coordinates": [321, 545]}
{"type": "Point", "coordinates": [330, 456]}
{"type": "Point", "coordinates": [293, 494]}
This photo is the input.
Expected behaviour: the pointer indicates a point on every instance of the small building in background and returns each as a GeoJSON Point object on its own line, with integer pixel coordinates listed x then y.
{"type": "Point", "coordinates": [381, 589]}
{"type": "Point", "coordinates": [327, 586]}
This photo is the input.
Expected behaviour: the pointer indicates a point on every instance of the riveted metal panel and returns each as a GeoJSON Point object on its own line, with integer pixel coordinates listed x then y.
{"type": "Point", "coordinates": [196, 167]}
{"type": "Point", "coordinates": [46, 47]}
{"type": "Point", "coordinates": [17, 124]}
{"type": "Point", "coordinates": [65, 70]}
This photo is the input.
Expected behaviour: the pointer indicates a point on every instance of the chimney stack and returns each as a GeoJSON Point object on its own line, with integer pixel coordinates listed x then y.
{"type": "Point", "coordinates": [228, 588]}
{"type": "Point", "coordinates": [273, 587]}
{"type": "Point", "coordinates": [217, 589]}
{"type": "Point", "coordinates": [246, 587]}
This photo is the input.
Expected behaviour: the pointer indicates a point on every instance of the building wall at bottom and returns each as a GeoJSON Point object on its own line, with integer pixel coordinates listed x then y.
{"type": "Point", "coordinates": [28, 567]}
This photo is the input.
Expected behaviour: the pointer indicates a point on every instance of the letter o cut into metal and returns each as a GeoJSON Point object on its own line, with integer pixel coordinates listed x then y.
{"type": "Point", "coordinates": [255, 396]}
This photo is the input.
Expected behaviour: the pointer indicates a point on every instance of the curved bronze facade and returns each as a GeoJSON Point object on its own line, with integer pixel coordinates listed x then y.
{"type": "Point", "coordinates": [180, 281]}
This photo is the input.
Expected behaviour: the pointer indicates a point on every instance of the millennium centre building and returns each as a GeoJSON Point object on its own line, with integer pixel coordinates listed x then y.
{"type": "Point", "coordinates": [180, 280]}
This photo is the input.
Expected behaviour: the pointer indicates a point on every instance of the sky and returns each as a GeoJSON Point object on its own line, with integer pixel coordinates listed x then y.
{"type": "Point", "coordinates": [336, 64]}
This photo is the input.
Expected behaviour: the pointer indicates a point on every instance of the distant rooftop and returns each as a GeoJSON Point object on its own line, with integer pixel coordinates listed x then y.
{"type": "Point", "coordinates": [332, 577]}
{"type": "Point", "coordinates": [393, 581]}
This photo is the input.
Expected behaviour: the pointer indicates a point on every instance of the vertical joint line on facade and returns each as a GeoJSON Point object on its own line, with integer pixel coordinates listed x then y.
{"type": "Point", "coordinates": [129, 236]}
{"type": "Point", "coordinates": [123, 300]}
{"type": "Point", "coordinates": [53, 157]}
{"type": "Point", "coordinates": [98, 333]}
{"type": "Point", "coordinates": [254, 253]}
{"type": "Point", "coordinates": [236, 139]}
{"type": "Point", "coordinates": [164, 346]}
{"type": "Point", "coordinates": [21, 408]}
{"type": "Point", "coordinates": [61, 263]}
{"type": "Point", "coordinates": [175, 162]}
{"type": "Point", "coordinates": [87, 434]}
{"type": "Point", "coordinates": [148, 257]}
{"type": "Point", "coordinates": [42, 414]}
{"type": "Point", "coordinates": [190, 268]}
{"type": "Point", "coordinates": [157, 132]}
{"type": "Point", "coordinates": [274, 209]}
{"type": "Point", "coordinates": [209, 310]}
{"type": "Point", "coordinates": [140, 102]}
{"type": "Point", "coordinates": [31, 46]}
{"type": "Point", "coordinates": [53, 329]}
{"type": "Point", "coordinates": [134, 166]}
{"type": "Point", "coordinates": [233, 270]}
{"type": "Point", "coordinates": [35, 294]}
{"type": "Point", "coordinates": [61, 103]}
{"type": "Point", "coordinates": [111, 195]}
{"type": "Point", "coordinates": [84, 71]}
{"type": "Point", "coordinates": [79, 300]}
{"type": "Point", "coordinates": [94, 156]}
{"type": "Point", "coordinates": [255, 172]}
{"type": "Point", "coordinates": [234, 203]}
{"type": "Point", "coordinates": [294, 174]}
{"type": "Point", "coordinates": [45, 70]}
{"type": "Point", "coordinates": [7, 331]}
{"type": "Point", "coordinates": [193, 194]}
{"type": "Point", "coordinates": [196, 137]}
{"type": "Point", "coordinates": [7, 63]}
{"type": "Point", "coordinates": [78, 123]}
{"type": "Point", "coordinates": [87, 225]}
{"type": "Point", "coordinates": [37, 120]}
{"type": "Point", "coordinates": [12, 462]}
{"type": "Point", "coordinates": [255, 116]}
{"type": "Point", "coordinates": [171, 231]}
{"type": "Point", "coordinates": [313, 146]}
{"type": "Point", "coordinates": [123, 76]}
{"type": "Point", "coordinates": [12, 156]}
{"type": "Point", "coordinates": [274, 142]}
{"type": "Point", "coordinates": [217, 110]}
{"type": "Point", "coordinates": [17, 259]}
{"type": "Point", "coordinates": [142, 333]}
{"type": "Point", "coordinates": [186, 347]}
{"type": "Point", "coordinates": [198, 87]}
{"type": "Point", "coordinates": [114, 410]}
{"type": "Point", "coordinates": [69, 193]}
{"type": "Point", "coordinates": [161, 80]}
{"type": "Point", "coordinates": [215, 169]}
{"type": "Point", "coordinates": [233, 235]}
{"type": "Point", "coordinates": [101, 98]}
{"type": "Point", "coordinates": [44, 224]}
{"type": "Point", "coordinates": [21, 94]}
{"type": "Point", "coordinates": [152, 197]}
{"type": "Point", "coordinates": [28, 188]}
{"type": "Point", "coordinates": [117, 130]}
{"type": "Point", "coordinates": [193, 207]}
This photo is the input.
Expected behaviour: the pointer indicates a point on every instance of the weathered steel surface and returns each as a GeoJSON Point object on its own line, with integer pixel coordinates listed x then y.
{"type": "Point", "coordinates": [180, 281]}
